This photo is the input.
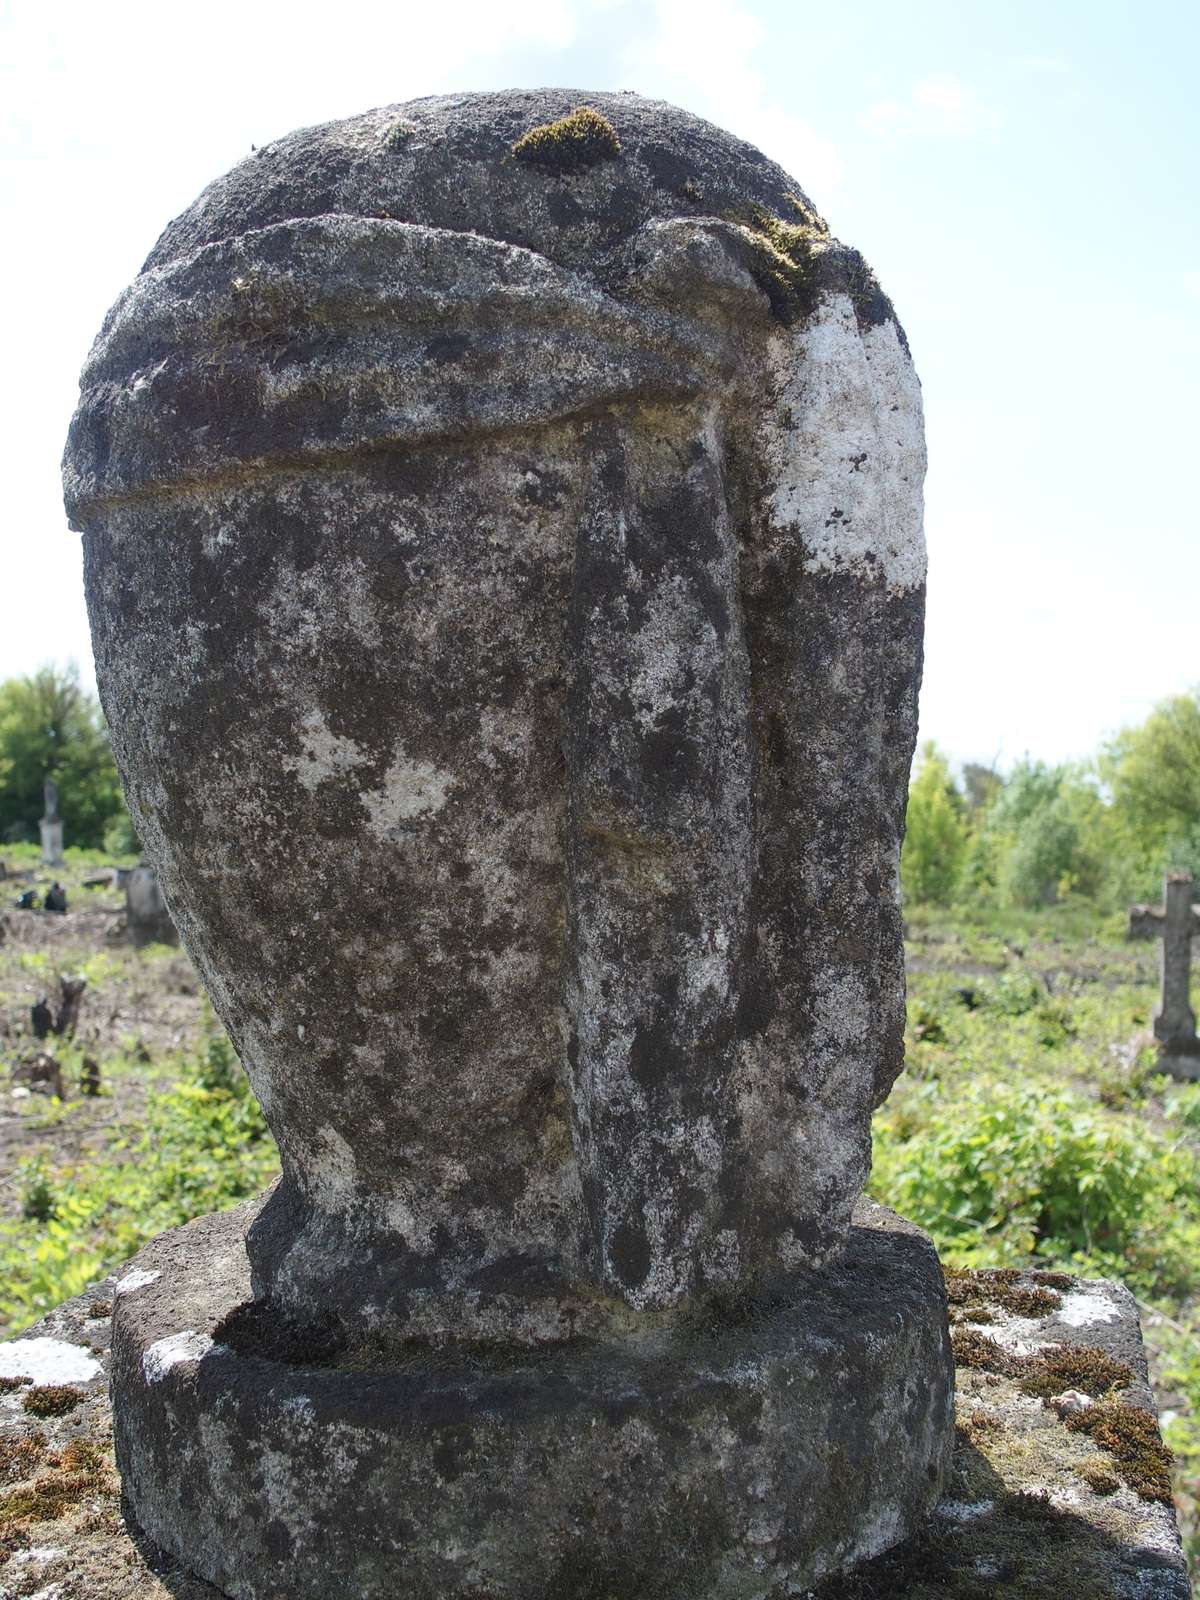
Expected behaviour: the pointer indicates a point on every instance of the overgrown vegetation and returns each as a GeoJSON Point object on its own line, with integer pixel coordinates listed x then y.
{"type": "Point", "coordinates": [1031, 1128]}
{"type": "Point", "coordinates": [202, 1145]}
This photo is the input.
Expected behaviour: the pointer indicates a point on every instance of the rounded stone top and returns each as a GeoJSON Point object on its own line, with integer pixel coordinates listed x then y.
{"type": "Point", "coordinates": [448, 161]}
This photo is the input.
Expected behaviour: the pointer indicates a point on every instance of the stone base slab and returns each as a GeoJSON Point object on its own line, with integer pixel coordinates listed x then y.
{"type": "Point", "coordinates": [745, 1454]}
{"type": "Point", "coordinates": [1014, 1502]}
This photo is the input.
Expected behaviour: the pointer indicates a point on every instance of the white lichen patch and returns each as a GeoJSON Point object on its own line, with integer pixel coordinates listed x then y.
{"type": "Point", "coordinates": [170, 1352]}
{"type": "Point", "coordinates": [137, 1279]}
{"type": "Point", "coordinates": [47, 1360]}
{"type": "Point", "coordinates": [323, 753]}
{"type": "Point", "coordinates": [1084, 1307]}
{"type": "Point", "coordinates": [964, 1510]}
{"type": "Point", "coordinates": [846, 445]}
{"type": "Point", "coordinates": [410, 789]}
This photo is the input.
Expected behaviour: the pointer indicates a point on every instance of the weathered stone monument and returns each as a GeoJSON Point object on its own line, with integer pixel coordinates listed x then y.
{"type": "Point", "coordinates": [503, 545]}
{"type": "Point", "coordinates": [51, 826]}
{"type": "Point", "coordinates": [147, 915]}
{"type": "Point", "coordinates": [1174, 922]}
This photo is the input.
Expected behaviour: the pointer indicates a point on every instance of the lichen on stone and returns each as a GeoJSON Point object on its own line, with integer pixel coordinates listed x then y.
{"type": "Point", "coordinates": [582, 139]}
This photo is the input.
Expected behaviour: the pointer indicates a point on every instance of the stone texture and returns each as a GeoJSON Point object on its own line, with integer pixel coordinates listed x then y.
{"type": "Point", "coordinates": [567, 606]}
{"type": "Point", "coordinates": [1012, 1456]}
{"type": "Point", "coordinates": [506, 577]}
{"type": "Point", "coordinates": [763, 1443]}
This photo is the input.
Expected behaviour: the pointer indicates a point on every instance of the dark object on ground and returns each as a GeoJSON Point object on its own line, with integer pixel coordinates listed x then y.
{"type": "Point", "coordinates": [27, 901]}
{"type": "Point", "coordinates": [89, 1077]}
{"type": "Point", "coordinates": [56, 897]}
{"type": "Point", "coordinates": [41, 1073]}
{"type": "Point", "coordinates": [71, 990]}
{"type": "Point", "coordinates": [43, 1020]}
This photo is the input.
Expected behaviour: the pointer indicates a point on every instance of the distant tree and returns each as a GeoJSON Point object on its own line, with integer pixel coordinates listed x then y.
{"type": "Point", "coordinates": [1046, 834]}
{"type": "Point", "coordinates": [935, 843]}
{"type": "Point", "coordinates": [51, 728]}
{"type": "Point", "coordinates": [1153, 772]}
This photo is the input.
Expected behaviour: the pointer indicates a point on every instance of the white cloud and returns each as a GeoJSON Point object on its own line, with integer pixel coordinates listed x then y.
{"type": "Point", "coordinates": [935, 107]}
{"type": "Point", "coordinates": [702, 54]}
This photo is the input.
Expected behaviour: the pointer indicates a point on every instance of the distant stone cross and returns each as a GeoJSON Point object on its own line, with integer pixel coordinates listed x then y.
{"type": "Point", "coordinates": [1174, 922]}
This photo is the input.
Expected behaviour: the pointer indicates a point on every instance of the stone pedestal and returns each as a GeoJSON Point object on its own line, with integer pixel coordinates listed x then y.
{"type": "Point", "coordinates": [523, 508]}
{"type": "Point", "coordinates": [764, 1442]}
{"type": "Point", "coordinates": [1027, 1495]}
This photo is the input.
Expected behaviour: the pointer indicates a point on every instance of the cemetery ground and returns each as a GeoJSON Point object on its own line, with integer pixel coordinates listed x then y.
{"type": "Point", "coordinates": [1029, 1127]}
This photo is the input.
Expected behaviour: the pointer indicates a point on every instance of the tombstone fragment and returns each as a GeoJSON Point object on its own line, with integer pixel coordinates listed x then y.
{"type": "Point", "coordinates": [146, 913]}
{"type": "Point", "coordinates": [51, 826]}
{"type": "Point", "coordinates": [1175, 922]}
{"type": "Point", "coordinates": [545, 572]}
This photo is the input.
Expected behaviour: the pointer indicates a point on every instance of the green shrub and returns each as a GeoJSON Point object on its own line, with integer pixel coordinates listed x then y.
{"type": "Point", "coordinates": [999, 1172]}
{"type": "Point", "coordinates": [203, 1146]}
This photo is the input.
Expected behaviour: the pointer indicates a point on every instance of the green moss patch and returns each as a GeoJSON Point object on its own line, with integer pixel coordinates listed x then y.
{"type": "Point", "coordinates": [52, 1400]}
{"type": "Point", "coordinates": [83, 1472]}
{"type": "Point", "coordinates": [399, 134]}
{"type": "Point", "coordinates": [782, 257]}
{"type": "Point", "coordinates": [582, 139]}
{"type": "Point", "coordinates": [1131, 1437]}
{"type": "Point", "coordinates": [20, 1458]}
{"type": "Point", "coordinates": [1075, 1366]}
{"type": "Point", "coordinates": [1002, 1288]}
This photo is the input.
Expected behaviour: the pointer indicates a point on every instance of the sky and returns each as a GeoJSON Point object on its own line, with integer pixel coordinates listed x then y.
{"type": "Point", "coordinates": [1020, 173]}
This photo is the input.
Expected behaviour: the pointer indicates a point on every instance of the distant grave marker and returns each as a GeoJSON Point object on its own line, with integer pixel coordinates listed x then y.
{"type": "Point", "coordinates": [52, 831]}
{"type": "Point", "coordinates": [1174, 922]}
{"type": "Point", "coordinates": [146, 913]}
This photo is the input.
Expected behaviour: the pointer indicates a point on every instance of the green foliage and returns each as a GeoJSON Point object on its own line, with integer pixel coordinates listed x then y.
{"type": "Point", "coordinates": [120, 839]}
{"type": "Point", "coordinates": [1002, 1171]}
{"type": "Point", "coordinates": [935, 844]}
{"type": "Point", "coordinates": [203, 1146]}
{"type": "Point", "coordinates": [49, 727]}
{"type": "Point", "coordinates": [1045, 831]}
{"type": "Point", "coordinates": [1154, 775]}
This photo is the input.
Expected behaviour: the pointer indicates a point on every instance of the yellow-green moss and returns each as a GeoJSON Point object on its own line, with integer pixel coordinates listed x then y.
{"type": "Point", "coordinates": [1074, 1366]}
{"type": "Point", "coordinates": [579, 140]}
{"type": "Point", "coordinates": [52, 1400]}
{"type": "Point", "coordinates": [81, 1472]}
{"type": "Point", "coordinates": [1131, 1437]}
{"type": "Point", "coordinates": [782, 257]}
{"type": "Point", "coordinates": [20, 1458]}
{"type": "Point", "coordinates": [1001, 1287]}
